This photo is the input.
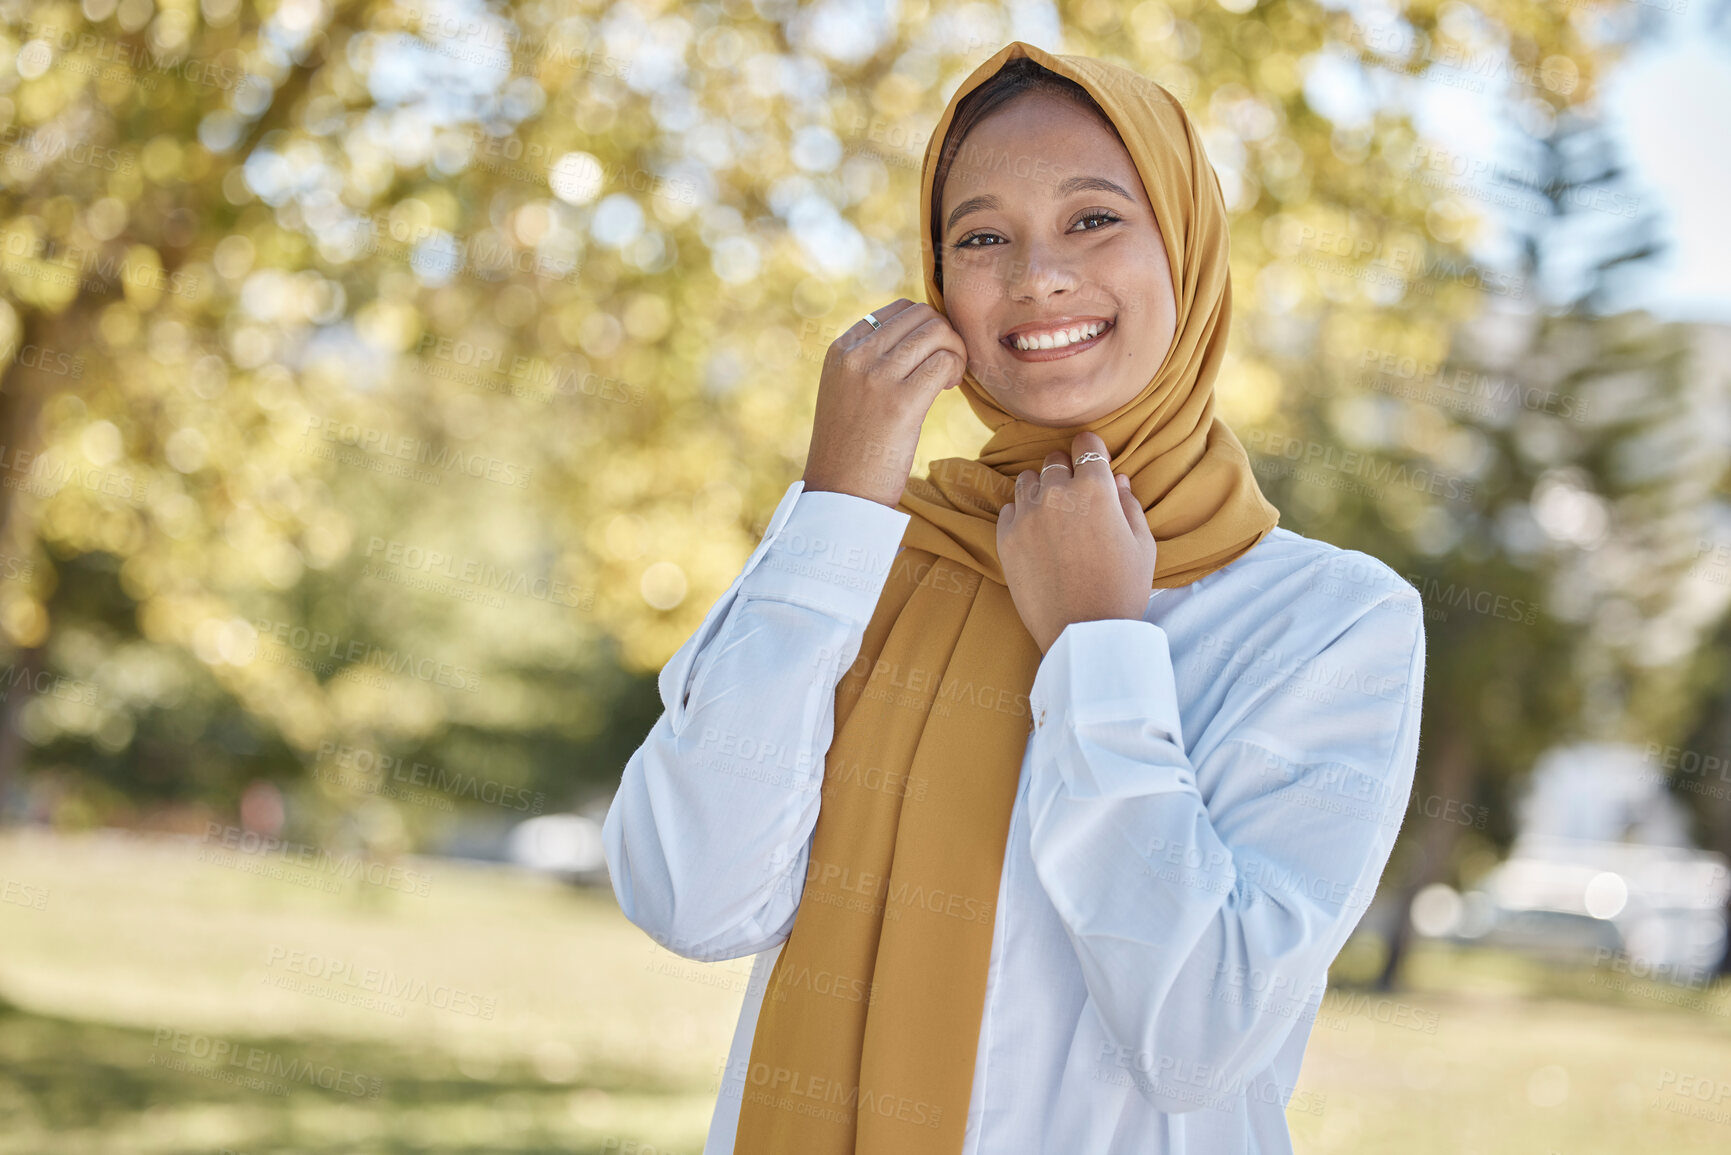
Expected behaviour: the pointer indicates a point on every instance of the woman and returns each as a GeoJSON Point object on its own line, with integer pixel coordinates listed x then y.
{"type": "Point", "coordinates": [1116, 762]}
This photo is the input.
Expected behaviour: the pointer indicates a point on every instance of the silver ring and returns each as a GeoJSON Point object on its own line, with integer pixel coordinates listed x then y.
{"type": "Point", "coordinates": [1091, 455]}
{"type": "Point", "coordinates": [1054, 465]}
{"type": "Point", "coordinates": [872, 321]}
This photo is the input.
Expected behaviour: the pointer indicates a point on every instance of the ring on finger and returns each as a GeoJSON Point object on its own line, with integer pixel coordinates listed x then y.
{"type": "Point", "coordinates": [1091, 455]}
{"type": "Point", "coordinates": [1054, 465]}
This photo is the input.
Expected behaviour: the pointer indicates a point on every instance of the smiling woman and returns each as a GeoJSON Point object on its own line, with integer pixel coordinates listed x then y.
{"type": "Point", "coordinates": [1046, 786]}
{"type": "Point", "coordinates": [1053, 250]}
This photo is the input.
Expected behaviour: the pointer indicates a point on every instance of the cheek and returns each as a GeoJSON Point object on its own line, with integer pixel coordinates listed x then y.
{"type": "Point", "coordinates": [970, 326]}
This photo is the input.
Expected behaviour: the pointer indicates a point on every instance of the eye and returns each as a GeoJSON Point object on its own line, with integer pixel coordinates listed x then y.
{"type": "Point", "coordinates": [1096, 215]}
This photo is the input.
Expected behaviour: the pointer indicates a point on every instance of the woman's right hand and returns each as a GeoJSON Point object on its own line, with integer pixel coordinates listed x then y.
{"type": "Point", "coordinates": [876, 389]}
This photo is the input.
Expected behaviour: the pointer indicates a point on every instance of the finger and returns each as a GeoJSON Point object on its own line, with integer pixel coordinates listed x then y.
{"type": "Point", "coordinates": [1026, 481]}
{"type": "Point", "coordinates": [862, 328]}
{"type": "Point", "coordinates": [912, 352]}
{"type": "Point", "coordinates": [953, 342]}
{"type": "Point", "coordinates": [1061, 460]}
{"type": "Point", "coordinates": [1133, 511]}
{"type": "Point", "coordinates": [941, 369]}
{"type": "Point", "coordinates": [899, 319]}
{"type": "Point", "coordinates": [1097, 470]}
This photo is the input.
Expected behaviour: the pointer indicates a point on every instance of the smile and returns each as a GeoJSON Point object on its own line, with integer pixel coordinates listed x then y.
{"type": "Point", "coordinates": [1051, 344]}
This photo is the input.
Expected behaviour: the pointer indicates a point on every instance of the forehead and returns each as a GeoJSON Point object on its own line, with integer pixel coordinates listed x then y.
{"type": "Point", "coordinates": [1032, 142]}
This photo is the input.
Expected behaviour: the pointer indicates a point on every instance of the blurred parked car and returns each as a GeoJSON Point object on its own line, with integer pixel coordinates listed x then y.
{"type": "Point", "coordinates": [1602, 865]}
{"type": "Point", "coordinates": [565, 845]}
{"type": "Point", "coordinates": [1571, 900]}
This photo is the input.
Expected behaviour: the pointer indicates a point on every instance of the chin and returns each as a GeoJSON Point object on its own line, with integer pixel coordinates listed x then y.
{"type": "Point", "coordinates": [1059, 413]}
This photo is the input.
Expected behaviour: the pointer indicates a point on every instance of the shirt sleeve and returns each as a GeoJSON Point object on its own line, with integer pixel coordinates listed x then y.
{"type": "Point", "coordinates": [708, 836]}
{"type": "Point", "coordinates": [1205, 901]}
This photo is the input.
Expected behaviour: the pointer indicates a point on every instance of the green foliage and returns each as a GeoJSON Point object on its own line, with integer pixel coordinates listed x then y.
{"type": "Point", "coordinates": [418, 382]}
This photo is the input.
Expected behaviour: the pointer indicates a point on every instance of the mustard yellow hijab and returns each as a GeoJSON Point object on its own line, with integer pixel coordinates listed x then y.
{"type": "Point", "coordinates": [870, 1023]}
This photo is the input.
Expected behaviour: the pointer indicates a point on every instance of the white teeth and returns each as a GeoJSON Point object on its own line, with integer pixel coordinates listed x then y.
{"type": "Point", "coordinates": [1062, 337]}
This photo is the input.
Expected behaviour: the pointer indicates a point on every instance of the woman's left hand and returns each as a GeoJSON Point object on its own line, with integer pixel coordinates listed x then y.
{"type": "Point", "coordinates": [1075, 548]}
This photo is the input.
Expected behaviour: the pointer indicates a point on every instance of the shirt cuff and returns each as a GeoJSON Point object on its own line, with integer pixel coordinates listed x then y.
{"type": "Point", "coordinates": [1098, 676]}
{"type": "Point", "coordinates": [832, 554]}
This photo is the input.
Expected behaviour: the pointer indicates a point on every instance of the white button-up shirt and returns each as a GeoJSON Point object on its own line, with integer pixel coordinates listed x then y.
{"type": "Point", "coordinates": [1207, 800]}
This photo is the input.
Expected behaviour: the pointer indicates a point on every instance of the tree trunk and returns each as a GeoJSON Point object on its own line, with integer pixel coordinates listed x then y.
{"type": "Point", "coordinates": [1454, 771]}
{"type": "Point", "coordinates": [1713, 737]}
{"type": "Point", "coordinates": [24, 389]}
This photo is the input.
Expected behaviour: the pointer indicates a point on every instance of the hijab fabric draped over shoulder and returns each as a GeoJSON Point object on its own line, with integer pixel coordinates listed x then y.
{"type": "Point", "coordinates": [870, 1021]}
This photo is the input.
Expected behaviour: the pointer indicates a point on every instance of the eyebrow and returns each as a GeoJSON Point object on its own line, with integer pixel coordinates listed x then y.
{"type": "Point", "coordinates": [1064, 188]}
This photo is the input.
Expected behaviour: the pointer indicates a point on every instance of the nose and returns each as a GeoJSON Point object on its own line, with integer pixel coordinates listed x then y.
{"type": "Point", "coordinates": [1040, 274]}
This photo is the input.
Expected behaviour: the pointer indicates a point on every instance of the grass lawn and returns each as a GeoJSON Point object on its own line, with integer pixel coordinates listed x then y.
{"type": "Point", "coordinates": [157, 1001]}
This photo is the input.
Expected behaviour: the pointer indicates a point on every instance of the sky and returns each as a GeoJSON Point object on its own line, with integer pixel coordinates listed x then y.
{"type": "Point", "coordinates": [1664, 108]}
{"type": "Point", "coordinates": [1668, 106]}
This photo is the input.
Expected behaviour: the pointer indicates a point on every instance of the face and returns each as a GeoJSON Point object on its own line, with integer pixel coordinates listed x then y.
{"type": "Point", "coordinates": [1069, 244]}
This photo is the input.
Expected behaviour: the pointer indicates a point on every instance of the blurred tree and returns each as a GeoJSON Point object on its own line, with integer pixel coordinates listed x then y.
{"type": "Point", "coordinates": [1690, 734]}
{"type": "Point", "coordinates": [1568, 563]}
{"type": "Point", "coordinates": [421, 373]}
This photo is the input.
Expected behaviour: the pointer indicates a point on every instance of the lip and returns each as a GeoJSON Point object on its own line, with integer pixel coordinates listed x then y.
{"type": "Point", "coordinates": [1008, 339]}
